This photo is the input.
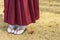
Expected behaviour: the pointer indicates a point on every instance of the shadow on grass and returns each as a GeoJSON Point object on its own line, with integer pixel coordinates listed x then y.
{"type": "Point", "coordinates": [3, 26]}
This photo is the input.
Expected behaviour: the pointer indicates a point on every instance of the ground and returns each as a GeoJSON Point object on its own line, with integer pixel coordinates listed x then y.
{"type": "Point", "coordinates": [47, 27]}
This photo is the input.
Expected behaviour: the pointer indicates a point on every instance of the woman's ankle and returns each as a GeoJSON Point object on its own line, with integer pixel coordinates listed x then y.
{"type": "Point", "coordinates": [12, 26]}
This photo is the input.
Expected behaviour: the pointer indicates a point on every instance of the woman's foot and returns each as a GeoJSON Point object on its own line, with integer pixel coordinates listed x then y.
{"type": "Point", "coordinates": [20, 30]}
{"type": "Point", "coordinates": [11, 28]}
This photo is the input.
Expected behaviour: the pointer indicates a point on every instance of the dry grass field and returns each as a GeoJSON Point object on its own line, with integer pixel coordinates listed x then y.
{"type": "Point", "coordinates": [46, 28]}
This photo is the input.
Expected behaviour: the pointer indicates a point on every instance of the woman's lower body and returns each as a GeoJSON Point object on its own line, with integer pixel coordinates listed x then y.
{"type": "Point", "coordinates": [21, 12]}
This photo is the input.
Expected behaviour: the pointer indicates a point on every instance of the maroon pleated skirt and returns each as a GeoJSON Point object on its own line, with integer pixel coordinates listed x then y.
{"type": "Point", "coordinates": [21, 12]}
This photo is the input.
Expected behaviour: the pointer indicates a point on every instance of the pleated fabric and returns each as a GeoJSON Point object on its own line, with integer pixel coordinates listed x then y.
{"type": "Point", "coordinates": [21, 12]}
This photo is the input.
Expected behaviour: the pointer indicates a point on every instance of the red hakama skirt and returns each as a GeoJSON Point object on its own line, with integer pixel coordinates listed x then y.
{"type": "Point", "coordinates": [21, 12]}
